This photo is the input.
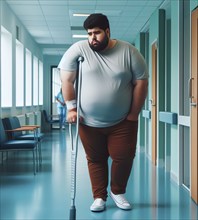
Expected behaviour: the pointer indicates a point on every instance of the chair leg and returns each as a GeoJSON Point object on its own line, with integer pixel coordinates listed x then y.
{"type": "Point", "coordinates": [40, 154]}
{"type": "Point", "coordinates": [34, 162]}
{"type": "Point", "coordinates": [37, 158]}
{"type": "Point", "coordinates": [2, 156]}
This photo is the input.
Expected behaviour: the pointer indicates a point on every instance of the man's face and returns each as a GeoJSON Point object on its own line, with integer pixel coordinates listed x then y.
{"type": "Point", "coordinates": [98, 39]}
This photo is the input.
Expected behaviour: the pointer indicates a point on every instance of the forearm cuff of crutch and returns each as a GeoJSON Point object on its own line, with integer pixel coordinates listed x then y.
{"type": "Point", "coordinates": [71, 104]}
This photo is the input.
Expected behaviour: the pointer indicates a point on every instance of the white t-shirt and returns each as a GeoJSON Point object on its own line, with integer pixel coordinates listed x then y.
{"type": "Point", "coordinates": [107, 80]}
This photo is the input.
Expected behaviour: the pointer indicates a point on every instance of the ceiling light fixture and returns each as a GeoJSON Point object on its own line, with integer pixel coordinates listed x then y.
{"type": "Point", "coordinates": [79, 36]}
{"type": "Point", "coordinates": [80, 15]}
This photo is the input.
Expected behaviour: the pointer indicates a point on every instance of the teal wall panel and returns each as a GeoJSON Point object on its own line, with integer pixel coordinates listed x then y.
{"type": "Point", "coordinates": [140, 45]}
{"type": "Point", "coordinates": [193, 4]}
{"type": "Point", "coordinates": [161, 84]}
{"type": "Point", "coordinates": [174, 85]}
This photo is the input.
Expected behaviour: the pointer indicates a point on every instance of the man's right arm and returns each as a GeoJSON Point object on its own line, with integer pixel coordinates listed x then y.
{"type": "Point", "coordinates": [68, 90]}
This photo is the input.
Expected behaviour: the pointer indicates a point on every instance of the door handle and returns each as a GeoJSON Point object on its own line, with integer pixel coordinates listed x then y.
{"type": "Point", "coordinates": [194, 104]}
{"type": "Point", "coordinates": [190, 93]}
{"type": "Point", "coordinates": [190, 88]}
{"type": "Point", "coordinates": [152, 102]}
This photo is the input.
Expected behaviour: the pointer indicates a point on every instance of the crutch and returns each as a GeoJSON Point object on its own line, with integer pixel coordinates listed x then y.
{"type": "Point", "coordinates": [74, 144]}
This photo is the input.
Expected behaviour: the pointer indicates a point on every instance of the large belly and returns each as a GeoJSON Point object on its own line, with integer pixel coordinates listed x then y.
{"type": "Point", "coordinates": [105, 103]}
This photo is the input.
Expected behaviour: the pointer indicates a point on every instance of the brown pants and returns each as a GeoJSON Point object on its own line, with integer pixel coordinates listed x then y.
{"type": "Point", "coordinates": [118, 142]}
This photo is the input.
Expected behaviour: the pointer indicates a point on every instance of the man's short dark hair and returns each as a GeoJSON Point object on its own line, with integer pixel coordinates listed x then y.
{"type": "Point", "coordinates": [96, 20]}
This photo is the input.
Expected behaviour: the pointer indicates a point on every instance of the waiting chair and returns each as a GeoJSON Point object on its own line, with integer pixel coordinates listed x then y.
{"type": "Point", "coordinates": [12, 123]}
{"type": "Point", "coordinates": [50, 119]}
{"type": "Point", "coordinates": [18, 145]}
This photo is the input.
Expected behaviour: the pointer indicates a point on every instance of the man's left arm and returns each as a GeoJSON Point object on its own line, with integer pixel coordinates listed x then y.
{"type": "Point", "coordinates": [139, 95]}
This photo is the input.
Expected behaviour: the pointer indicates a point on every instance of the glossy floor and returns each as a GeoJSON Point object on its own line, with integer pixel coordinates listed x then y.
{"type": "Point", "coordinates": [46, 196]}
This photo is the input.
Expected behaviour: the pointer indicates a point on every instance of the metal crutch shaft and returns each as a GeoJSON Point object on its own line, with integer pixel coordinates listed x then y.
{"type": "Point", "coordinates": [74, 151]}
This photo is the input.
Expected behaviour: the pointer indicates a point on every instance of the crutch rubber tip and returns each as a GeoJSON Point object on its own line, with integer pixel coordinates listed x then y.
{"type": "Point", "coordinates": [72, 215]}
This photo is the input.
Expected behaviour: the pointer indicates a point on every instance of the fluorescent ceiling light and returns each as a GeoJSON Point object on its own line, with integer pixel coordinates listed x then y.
{"type": "Point", "coordinates": [80, 15]}
{"type": "Point", "coordinates": [79, 35]}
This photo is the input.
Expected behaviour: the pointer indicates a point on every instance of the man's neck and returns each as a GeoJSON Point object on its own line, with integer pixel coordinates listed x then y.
{"type": "Point", "coordinates": [111, 43]}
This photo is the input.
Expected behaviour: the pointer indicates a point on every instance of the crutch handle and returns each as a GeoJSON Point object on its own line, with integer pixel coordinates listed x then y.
{"type": "Point", "coordinates": [80, 59]}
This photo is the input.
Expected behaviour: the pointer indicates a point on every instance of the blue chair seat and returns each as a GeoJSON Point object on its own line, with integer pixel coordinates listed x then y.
{"type": "Point", "coordinates": [19, 144]}
{"type": "Point", "coordinates": [40, 136]}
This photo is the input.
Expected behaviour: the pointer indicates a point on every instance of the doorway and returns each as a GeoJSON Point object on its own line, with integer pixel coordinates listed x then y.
{"type": "Point", "coordinates": [56, 85]}
{"type": "Point", "coordinates": [184, 105]}
{"type": "Point", "coordinates": [194, 107]}
{"type": "Point", "coordinates": [154, 103]}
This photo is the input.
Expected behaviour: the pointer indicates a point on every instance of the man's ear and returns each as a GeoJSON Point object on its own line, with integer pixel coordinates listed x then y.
{"type": "Point", "coordinates": [107, 31]}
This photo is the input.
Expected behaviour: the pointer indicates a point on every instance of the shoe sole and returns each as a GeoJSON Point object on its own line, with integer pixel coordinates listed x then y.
{"type": "Point", "coordinates": [98, 209]}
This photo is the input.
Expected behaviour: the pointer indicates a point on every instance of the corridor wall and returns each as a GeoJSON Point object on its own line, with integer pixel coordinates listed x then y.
{"type": "Point", "coordinates": [10, 22]}
{"type": "Point", "coordinates": [165, 29]}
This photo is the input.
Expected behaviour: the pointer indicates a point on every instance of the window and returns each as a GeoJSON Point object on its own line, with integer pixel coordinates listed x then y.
{"type": "Point", "coordinates": [28, 78]}
{"type": "Point", "coordinates": [35, 80]}
{"type": "Point", "coordinates": [6, 68]}
{"type": "Point", "coordinates": [19, 74]}
{"type": "Point", "coordinates": [40, 83]}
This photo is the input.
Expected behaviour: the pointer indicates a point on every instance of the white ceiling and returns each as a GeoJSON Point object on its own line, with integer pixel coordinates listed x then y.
{"type": "Point", "coordinates": [51, 22]}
